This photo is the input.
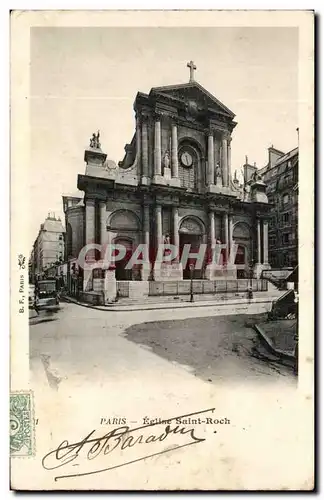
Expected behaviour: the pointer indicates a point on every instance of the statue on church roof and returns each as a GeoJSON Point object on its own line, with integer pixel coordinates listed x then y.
{"type": "Point", "coordinates": [256, 176]}
{"type": "Point", "coordinates": [94, 141]}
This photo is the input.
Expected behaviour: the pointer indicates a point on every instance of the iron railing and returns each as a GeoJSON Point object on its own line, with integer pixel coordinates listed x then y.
{"type": "Point", "coordinates": [206, 286]}
{"type": "Point", "coordinates": [122, 288]}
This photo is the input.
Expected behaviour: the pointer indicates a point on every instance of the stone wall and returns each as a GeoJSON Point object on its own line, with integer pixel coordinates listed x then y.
{"type": "Point", "coordinates": [195, 212]}
{"type": "Point", "coordinates": [94, 298]}
{"type": "Point", "coordinates": [187, 133]}
{"type": "Point", "coordinates": [75, 218]}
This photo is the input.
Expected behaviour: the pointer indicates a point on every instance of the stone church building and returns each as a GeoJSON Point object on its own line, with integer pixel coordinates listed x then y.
{"type": "Point", "coordinates": [174, 184]}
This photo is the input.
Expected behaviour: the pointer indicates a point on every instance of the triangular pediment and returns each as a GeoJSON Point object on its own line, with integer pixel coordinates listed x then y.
{"type": "Point", "coordinates": [193, 92]}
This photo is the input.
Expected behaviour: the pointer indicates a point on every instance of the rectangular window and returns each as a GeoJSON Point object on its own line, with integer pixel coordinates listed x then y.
{"type": "Point", "coordinates": [272, 241]}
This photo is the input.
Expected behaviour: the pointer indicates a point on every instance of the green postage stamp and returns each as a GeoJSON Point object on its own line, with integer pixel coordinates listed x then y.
{"type": "Point", "coordinates": [21, 424]}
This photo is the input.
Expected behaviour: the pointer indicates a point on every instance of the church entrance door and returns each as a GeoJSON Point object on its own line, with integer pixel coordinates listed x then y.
{"type": "Point", "coordinates": [240, 262]}
{"type": "Point", "coordinates": [194, 240]}
{"type": "Point", "coordinates": [121, 273]}
{"type": "Point", "coordinates": [191, 232]}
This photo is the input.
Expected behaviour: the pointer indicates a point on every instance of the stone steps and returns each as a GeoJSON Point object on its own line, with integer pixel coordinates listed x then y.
{"type": "Point", "coordinates": [179, 298]}
{"type": "Point", "coordinates": [183, 299]}
{"type": "Point", "coordinates": [259, 304]}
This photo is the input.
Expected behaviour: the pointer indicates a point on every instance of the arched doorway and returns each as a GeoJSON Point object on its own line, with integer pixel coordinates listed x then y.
{"type": "Point", "coordinates": [121, 272]}
{"type": "Point", "coordinates": [126, 227]}
{"type": "Point", "coordinates": [243, 240]}
{"type": "Point", "coordinates": [191, 232]}
{"type": "Point", "coordinates": [240, 260]}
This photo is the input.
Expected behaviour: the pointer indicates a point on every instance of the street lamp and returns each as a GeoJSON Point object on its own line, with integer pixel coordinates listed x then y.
{"type": "Point", "coordinates": [191, 267]}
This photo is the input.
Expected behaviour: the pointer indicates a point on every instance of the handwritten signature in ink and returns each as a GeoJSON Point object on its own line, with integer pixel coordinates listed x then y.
{"type": "Point", "coordinates": [122, 438]}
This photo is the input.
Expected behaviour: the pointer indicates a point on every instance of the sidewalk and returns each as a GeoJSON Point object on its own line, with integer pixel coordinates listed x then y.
{"type": "Point", "coordinates": [259, 298]}
{"type": "Point", "coordinates": [279, 336]}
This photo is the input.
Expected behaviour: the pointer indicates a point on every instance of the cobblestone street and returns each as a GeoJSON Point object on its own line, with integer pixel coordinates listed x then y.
{"type": "Point", "coordinates": [217, 349]}
{"type": "Point", "coordinates": [87, 364]}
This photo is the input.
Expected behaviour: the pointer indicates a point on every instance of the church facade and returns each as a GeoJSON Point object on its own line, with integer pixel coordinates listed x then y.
{"type": "Point", "coordinates": [174, 185]}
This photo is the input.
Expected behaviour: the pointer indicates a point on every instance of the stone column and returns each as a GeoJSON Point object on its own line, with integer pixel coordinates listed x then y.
{"type": "Point", "coordinates": [90, 225]}
{"type": "Point", "coordinates": [144, 149]}
{"type": "Point", "coordinates": [226, 238]}
{"type": "Point", "coordinates": [210, 179]}
{"type": "Point", "coordinates": [158, 225]}
{"type": "Point", "coordinates": [90, 238]}
{"type": "Point", "coordinates": [229, 157]}
{"type": "Point", "coordinates": [174, 150]}
{"type": "Point", "coordinates": [212, 238]}
{"type": "Point", "coordinates": [103, 228]}
{"type": "Point", "coordinates": [265, 242]}
{"type": "Point", "coordinates": [157, 148]}
{"type": "Point", "coordinates": [145, 271]}
{"type": "Point", "coordinates": [212, 228]}
{"type": "Point", "coordinates": [146, 225]}
{"type": "Point", "coordinates": [138, 143]}
{"type": "Point", "coordinates": [175, 228]}
{"type": "Point", "coordinates": [258, 241]}
{"type": "Point", "coordinates": [230, 230]}
{"type": "Point", "coordinates": [230, 239]}
{"type": "Point", "coordinates": [224, 161]}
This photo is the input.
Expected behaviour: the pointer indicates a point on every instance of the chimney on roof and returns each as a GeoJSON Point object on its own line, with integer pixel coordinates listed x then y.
{"type": "Point", "coordinates": [273, 156]}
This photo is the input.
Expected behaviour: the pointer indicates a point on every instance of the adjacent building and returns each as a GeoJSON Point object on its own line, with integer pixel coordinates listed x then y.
{"type": "Point", "coordinates": [281, 178]}
{"type": "Point", "coordinates": [48, 248]}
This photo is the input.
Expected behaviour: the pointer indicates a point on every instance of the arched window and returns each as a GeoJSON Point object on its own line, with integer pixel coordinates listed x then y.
{"type": "Point", "coordinates": [189, 165]}
{"type": "Point", "coordinates": [241, 231]}
{"type": "Point", "coordinates": [124, 220]}
{"type": "Point", "coordinates": [192, 225]}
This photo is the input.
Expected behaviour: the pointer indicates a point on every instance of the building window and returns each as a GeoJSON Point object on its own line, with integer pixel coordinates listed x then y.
{"type": "Point", "coordinates": [272, 241]}
{"type": "Point", "coordinates": [285, 199]}
{"type": "Point", "coordinates": [286, 218]}
{"type": "Point", "coordinates": [69, 235]}
{"type": "Point", "coordinates": [287, 260]}
{"type": "Point", "coordinates": [285, 238]}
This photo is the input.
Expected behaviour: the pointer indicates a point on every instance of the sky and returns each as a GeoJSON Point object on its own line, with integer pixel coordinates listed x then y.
{"type": "Point", "coordinates": [85, 79]}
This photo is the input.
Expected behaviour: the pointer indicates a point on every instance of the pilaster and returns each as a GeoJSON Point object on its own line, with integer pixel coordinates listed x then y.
{"type": "Point", "coordinates": [229, 159]}
{"type": "Point", "coordinates": [265, 243]}
{"type": "Point", "coordinates": [103, 227]}
{"type": "Point", "coordinates": [157, 178]}
{"type": "Point", "coordinates": [258, 241]}
{"type": "Point", "coordinates": [224, 160]}
{"type": "Point", "coordinates": [144, 150]}
{"type": "Point", "coordinates": [175, 228]}
{"type": "Point", "coordinates": [210, 179]}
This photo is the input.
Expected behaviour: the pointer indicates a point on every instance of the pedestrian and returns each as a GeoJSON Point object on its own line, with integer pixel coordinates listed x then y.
{"type": "Point", "coordinates": [36, 307]}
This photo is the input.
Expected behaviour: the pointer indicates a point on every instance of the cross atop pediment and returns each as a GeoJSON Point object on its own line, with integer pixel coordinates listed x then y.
{"type": "Point", "coordinates": [192, 67]}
